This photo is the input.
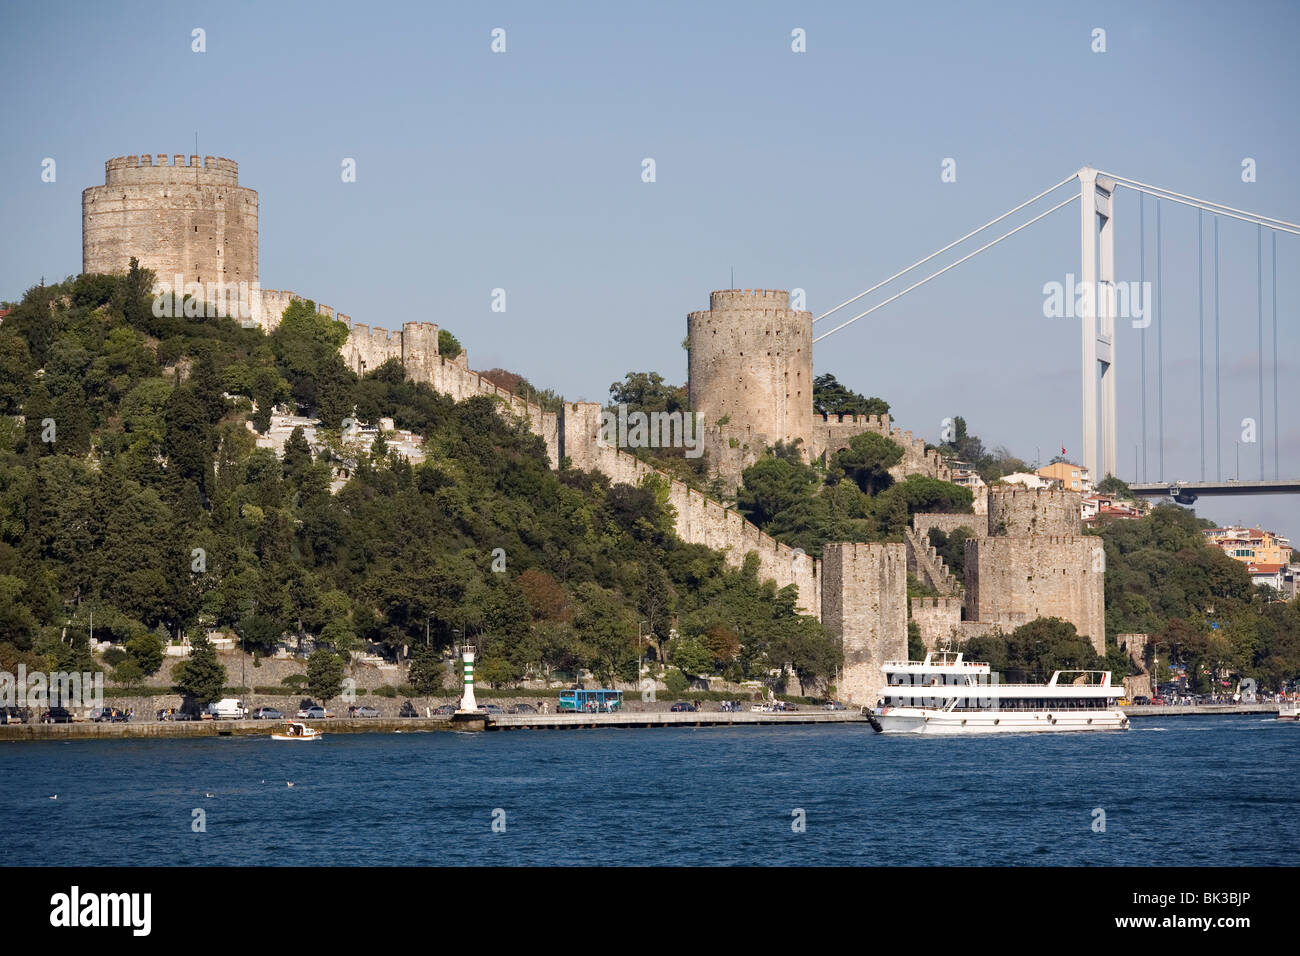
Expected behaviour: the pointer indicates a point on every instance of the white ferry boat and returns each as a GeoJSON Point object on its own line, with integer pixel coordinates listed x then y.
{"type": "Point", "coordinates": [945, 694]}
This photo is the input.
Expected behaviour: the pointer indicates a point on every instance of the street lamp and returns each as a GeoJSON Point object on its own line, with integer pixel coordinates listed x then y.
{"type": "Point", "coordinates": [639, 635]}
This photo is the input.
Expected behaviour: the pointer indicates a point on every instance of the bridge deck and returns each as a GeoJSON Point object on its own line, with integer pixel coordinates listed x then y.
{"type": "Point", "coordinates": [1161, 489]}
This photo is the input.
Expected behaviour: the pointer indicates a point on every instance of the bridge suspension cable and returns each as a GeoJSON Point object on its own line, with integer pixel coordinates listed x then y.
{"type": "Point", "coordinates": [953, 265]}
{"type": "Point", "coordinates": [956, 242]}
{"type": "Point", "coordinates": [1280, 225]}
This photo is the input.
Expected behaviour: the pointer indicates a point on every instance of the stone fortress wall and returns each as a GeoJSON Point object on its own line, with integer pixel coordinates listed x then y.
{"type": "Point", "coordinates": [864, 604]}
{"type": "Point", "coordinates": [1017, 511]}
{"type": "Point", "coordinates": [189, 219]}
{"type": "Point", "coordinates": [699, 519]}
{"type": "Point", "coordinates": [751, 382]}
{"type": "Point", "coordinates": [1029, 560]}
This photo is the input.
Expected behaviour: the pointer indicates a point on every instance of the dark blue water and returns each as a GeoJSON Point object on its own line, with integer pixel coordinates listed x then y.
{"type": "Point", "coordinates": [1188, 790]}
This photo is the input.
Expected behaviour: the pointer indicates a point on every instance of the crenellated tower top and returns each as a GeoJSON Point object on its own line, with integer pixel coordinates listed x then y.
{"type": "Point", "coordinates": [213, 170]}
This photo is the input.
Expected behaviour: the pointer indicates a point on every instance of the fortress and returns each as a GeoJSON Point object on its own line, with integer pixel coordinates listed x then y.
{"type": "Point", "coordinates": [750, 383]}
{"type": "Point", "coordinates": [193, 220]}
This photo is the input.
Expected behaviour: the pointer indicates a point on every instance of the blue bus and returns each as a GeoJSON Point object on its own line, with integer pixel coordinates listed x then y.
{"type": "Point", "coordinates": [600, 701]}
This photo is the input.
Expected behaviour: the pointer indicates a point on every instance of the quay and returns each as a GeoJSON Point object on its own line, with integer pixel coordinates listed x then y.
{"type": "Point", "coordinates": [700, 718]}
{"type": "Point", "coordinates": [476, 722]}
{"type": "Point", "coordinates": [483, 721]}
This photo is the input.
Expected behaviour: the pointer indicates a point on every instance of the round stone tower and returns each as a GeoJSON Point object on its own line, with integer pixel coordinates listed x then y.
{"type": "Point", "coordinates": [751, 363]}
{"type": "Point", "coordinates": [1018, 512]}
{"type": "Point", "coordinates": [193, 220]}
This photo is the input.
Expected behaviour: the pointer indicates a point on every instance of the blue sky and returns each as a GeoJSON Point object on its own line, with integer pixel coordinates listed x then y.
{"type": "Point", "coordinates": [818, 170]}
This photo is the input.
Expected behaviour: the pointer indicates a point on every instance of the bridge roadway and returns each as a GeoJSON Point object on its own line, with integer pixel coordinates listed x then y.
{"type": "Point", "coordinates": [1186, 492]}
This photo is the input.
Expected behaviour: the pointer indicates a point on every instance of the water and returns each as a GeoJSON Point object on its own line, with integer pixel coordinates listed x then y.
{"type": "Point", "coordinates": [1186, 790]}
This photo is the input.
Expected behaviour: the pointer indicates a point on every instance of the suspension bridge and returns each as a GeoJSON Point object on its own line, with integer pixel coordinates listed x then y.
{"type": "Point", "coordinates": [1102, 300]}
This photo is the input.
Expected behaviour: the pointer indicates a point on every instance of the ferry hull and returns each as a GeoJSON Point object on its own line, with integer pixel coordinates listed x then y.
{"type": "Point", "coordinates": [910, 720]}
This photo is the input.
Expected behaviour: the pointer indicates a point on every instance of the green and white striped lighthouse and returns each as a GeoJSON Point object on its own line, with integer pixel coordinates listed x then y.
{"type": "Point", "coordinates": [467, 702]}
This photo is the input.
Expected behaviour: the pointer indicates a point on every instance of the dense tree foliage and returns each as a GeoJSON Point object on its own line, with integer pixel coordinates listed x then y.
{"type": "Point", "coordinates": [832, 398]}
{"type": "Point", "coordinates": [958, 444]}
{"type": "Point", "coordinates": [852, 499]}
{"type": "Point", "coordinates": [1031, 652]}
{"type": "Point", "coordinates": [1164, 579]}
{"type": "Point", "coordinates": [155, 509]}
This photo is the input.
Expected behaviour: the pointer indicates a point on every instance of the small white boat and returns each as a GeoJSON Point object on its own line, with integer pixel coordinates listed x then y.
{"type": "Point", "coordinates": [298, 731]}
{"type": "Point", "coordinates": [1289, 710]}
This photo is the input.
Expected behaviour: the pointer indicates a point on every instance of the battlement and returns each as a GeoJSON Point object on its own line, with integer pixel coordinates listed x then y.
{"type": "Point", "coordinates": [877, 422]}
{"type": "Point", "coordinates": [213, 170]}
{"type": "Point", "coordinates": [1016, 511]}
{"type": "Point", "coordinates": [749, 299]}
{"type": "Point", "coordinates": [937, 603]}
{"type": "Point", "coordinates": [994, 542]}
{"type": "Point", "coordinates": [1013, 491]}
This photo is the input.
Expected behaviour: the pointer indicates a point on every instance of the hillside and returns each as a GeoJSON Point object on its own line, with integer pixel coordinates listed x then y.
{"type": "Point", "coordinates": [134, 488]}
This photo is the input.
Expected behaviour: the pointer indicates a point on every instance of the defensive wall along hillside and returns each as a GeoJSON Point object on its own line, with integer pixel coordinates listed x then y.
{"type": "Point", "coordinates": [576, 434]}
{"type": "Point", "coordinates": [699, 519]}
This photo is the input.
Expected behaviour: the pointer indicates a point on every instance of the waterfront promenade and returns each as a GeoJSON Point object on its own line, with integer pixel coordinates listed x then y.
{"type": "Point", "coordinates": [494, 722]}
{"type": "Point", "coordinates": [349, 725]}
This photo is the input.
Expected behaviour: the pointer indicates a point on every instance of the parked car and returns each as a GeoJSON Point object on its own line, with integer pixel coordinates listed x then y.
{"type": "Point", "coordinates": [492, 708]}
{"type": "Point", "coordinates": [522, 709]}
{"type": "Point", "coordinates": [445, 709]}
{"type": "Point", "coordinates": [834, 705]}
{"type": "Point", "coordinates": [683, 706]}
{"type": "Point", "coordinates": [14, 715]}
{"type": "Point", "coordinates": [109, 715]}
{"type": "Point", "coordinates": [266, 713]}
{"type": "Point", "coordinates": [1142, 700]}
{"type": "Point", "coordinates": [408, 710]}
{"type": "Point", "coordinates": [306, 706]}
{"type": "Point", "coordinates": [56, 715]}
{"type": "Point", "coordinates": [364, 710]}
{"type": "Point", "coordinates": [314, 713]}
{"type": "Point", "coordinates": [1158, 700]}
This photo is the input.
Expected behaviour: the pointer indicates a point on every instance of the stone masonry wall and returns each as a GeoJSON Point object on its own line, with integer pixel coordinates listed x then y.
{"type": "Point", "coordinates": [924, 562]}
{"type": "Point", "coordinates": [976, 524]}
{"type": "Point", "coordinates": [864, 603]}
{"type": "Point", "coordinates": [189, 219]}
{"type": "Point", "coordinates": [1042, 576]}
{"type": "Point", "coordinates": [750, 363]}
{"type": "Point", "coordinates": [1019, 512]}
{"type": "Point", "coordinates": [830, 433]}
{"type": "Point", "coordinates": [699, 519]}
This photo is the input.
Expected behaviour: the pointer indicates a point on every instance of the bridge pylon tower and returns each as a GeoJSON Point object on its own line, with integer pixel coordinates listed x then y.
{"type": "Point", "coordinates": [1097, 279]}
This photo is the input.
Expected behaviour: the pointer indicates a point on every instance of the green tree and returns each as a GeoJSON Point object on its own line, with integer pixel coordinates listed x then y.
{"type": "Point", "coordinates": [647, 392]}
{"type": "Point", "coordinates": [772, 485]}
{"type": "Point", "coordinates": [201, 676]}
{"type": "Point", "coordinates": [448, 344]}
{"type": "Point", "coordinates": [426, 671]}
{"type": "Point", "coordinates": [690, 655]}
{"type": "Point", "coordinates": [867, 460]}
{"type": "Point", "coordinates": [324, 674]}
{"type": "Point", "coordinates": [832, 398]}
{"type": "Point", "coordinates": [146, 651]}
